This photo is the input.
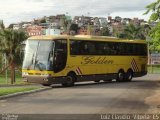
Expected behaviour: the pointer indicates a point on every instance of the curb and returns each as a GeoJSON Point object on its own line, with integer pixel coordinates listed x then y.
{"type": "Point", "coordinates": [23, 93]}
{"type": "Point", "coordinates": [18, 85]}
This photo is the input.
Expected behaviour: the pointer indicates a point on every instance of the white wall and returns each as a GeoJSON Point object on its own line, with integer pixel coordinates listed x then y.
{"type": "Point", "coordinates": [53, 31]}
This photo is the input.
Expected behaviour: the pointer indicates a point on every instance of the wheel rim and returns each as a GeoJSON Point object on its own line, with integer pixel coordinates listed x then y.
{"type": "Point", "coordinates": [69, 80]}
{"type": "Point", "coordinates": [129, 77]}
{"type": "Point", "coordinates": [121, 76]}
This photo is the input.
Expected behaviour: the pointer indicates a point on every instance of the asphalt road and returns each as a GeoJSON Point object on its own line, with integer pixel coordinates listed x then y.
{"type": "Point", "coordinates": [142, 95]}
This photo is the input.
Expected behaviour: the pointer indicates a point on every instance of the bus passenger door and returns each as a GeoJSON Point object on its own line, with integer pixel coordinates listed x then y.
{"type": "Point", "coordinates": [60, 55]}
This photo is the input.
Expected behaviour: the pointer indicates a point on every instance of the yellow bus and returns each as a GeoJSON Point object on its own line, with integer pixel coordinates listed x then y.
{"type": "Point", "coordinates": [69, 59]}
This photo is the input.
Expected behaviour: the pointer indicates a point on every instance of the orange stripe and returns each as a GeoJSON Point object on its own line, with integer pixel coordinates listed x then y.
{"type": "Point", "coordinates": [80, 70]}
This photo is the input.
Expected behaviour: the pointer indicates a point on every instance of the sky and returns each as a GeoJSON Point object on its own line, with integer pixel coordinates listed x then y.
{"type": "Point", "coordinates": [14, 11]}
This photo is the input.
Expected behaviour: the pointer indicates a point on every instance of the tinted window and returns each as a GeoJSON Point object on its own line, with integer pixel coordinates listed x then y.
{"type": "Point", "coordinates": [79, 47]}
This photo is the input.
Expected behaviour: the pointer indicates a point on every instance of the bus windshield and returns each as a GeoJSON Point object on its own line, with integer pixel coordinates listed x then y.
{"type": "Point", "coordinates": [38, 55]}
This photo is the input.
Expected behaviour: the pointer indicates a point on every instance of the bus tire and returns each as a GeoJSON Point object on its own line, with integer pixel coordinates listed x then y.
{"type": "Point", "coordinates": [97, 81]}
{"type": "Point", "coordinates": [70, 80]}
{"type": "Point", "coordinates": [108, 80]}
{"type": "Point", "coordinates": [129, 75]}
{"type": "Point", "coordinates": [120, 76]}
{"type": "Point", "coordinates": [46, 84]}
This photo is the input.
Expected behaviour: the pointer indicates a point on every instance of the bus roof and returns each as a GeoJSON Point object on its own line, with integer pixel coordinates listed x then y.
{"type": "Point", "coordinates": [84, 37]}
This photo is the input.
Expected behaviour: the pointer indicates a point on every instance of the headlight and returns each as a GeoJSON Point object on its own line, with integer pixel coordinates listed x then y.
{"type": "Point", "coordinates": [24, 73]}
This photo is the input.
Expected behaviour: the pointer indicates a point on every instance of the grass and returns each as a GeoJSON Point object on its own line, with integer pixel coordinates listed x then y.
{"type": "Point", "coordinates": [4, 81]}
{"type": "Point", "coordinates": [154, 69]}
{"type": "Point", "coordinates": [11, 90]}
{"type": "Point", "coordinates": [8, 81]}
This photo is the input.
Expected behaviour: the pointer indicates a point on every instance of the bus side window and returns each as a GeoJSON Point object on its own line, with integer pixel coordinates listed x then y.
{"type": "Point", "coordinates": [122, 49]}
{"type": "Point", "coordinates": [113, 48]}
{"type": "Point", "coordinates": [129, 49]}
{"type": "Point", "coordinates": [100, 48]}
{"type": "Point", "coordinates": [82, 48]}
{"type": "Point", "coordinates": [135, 49]}
{"type": "Point", "coordinates": [144, 49]}
{"type": "Point", "coordinates": [74, 47]}
{"type": "Point", "coordinates": [107, 49]}
{"type": "Point", "coordinates": [89, 48]}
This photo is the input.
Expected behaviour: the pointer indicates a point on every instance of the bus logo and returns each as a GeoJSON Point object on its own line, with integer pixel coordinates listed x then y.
{"type": "Point", "coordinates": [134, 65]}
{"type": "Point", "coordinates": [96, 60]}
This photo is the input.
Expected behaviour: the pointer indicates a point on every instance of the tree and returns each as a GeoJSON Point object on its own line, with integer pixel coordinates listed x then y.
{"type": "Point", "coordinates": [10, 45]}
{"type": "Point", "coordinates": [104, 31]}
{"type": "Point", "coordinates": [74, 27]}
{"type": "Point", "coordinates": [43, 20]}
{"type": "Point", "coordinates": [133, 32]}
{"type": "Point", "coordinates": [64, 23]}
{"type": "Point", "coordinates": [155, 38]}
{"type": "Point", "coordinates": [121, 35]}
{"type": "Point", "coordinates": [2, 25]}
{"type": "Point", "coordinates": [154, 8]}
{"type": "Point", "coordinates": [11, 26]}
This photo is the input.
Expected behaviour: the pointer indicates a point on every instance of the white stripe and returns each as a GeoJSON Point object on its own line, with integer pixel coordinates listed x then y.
{"type": "Point", "coordinates": [79, 73]}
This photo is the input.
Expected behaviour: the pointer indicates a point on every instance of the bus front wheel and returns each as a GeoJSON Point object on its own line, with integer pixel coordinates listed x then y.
{"type": "Point", "coordinates": [46, 84]}
{"type": "Point", "coordinates": [120, 76]}
{"type": "Point", "coordinates": [69, 81]}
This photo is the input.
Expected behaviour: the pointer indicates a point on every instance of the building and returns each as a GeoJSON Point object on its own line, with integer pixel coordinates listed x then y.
{"type": "Point", "coordinates": [135, 21]}
{"type": "Point", "coordinates": [117, 28]}
{"type": "Point", "coordinates": [24, 25]}
{"type": "Point", "coordinates": [35, 30]}
{"type": "Point", "coordinates": [118, 19]}
{"type": "Point", "coordinates": [16, 26]}
{"type": "Point", "coordinates": [82, 20]}
{"type": "Point", "coordinates": [44, 25]}
{"type": "Point", "coordinates": [110, 28]}
{"type": "Point", "coordinates": [83, 30]}
{"type": "Point", "coordinates": [155, 58]}
{"type": "Point", "coordinates": [109, 18]}
{"type": "Point", "coordinates": [50, 19]}
{"type": "Point", "coordinates": [53, 31]}
{"type": "Point", "coordinates": [103, 22]}
{"type": "Point", "coordinates": [96, 21]}
{"type": "Point", "coordinates": [126, 21]}
{"type": "Point", "coordinates": [60, 24]}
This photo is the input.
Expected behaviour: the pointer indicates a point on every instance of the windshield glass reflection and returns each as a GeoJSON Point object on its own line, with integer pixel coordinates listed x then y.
{"type": "Point", "coordinates": [38, 55]}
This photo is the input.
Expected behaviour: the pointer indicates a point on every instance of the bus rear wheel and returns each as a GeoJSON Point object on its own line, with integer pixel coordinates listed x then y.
{"type": "Point", "coordinates": [129, 75]}
{"type": "Point", "coordinates": [120, 76]}
{"type": "Point", "coordinates": [69, 81]}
